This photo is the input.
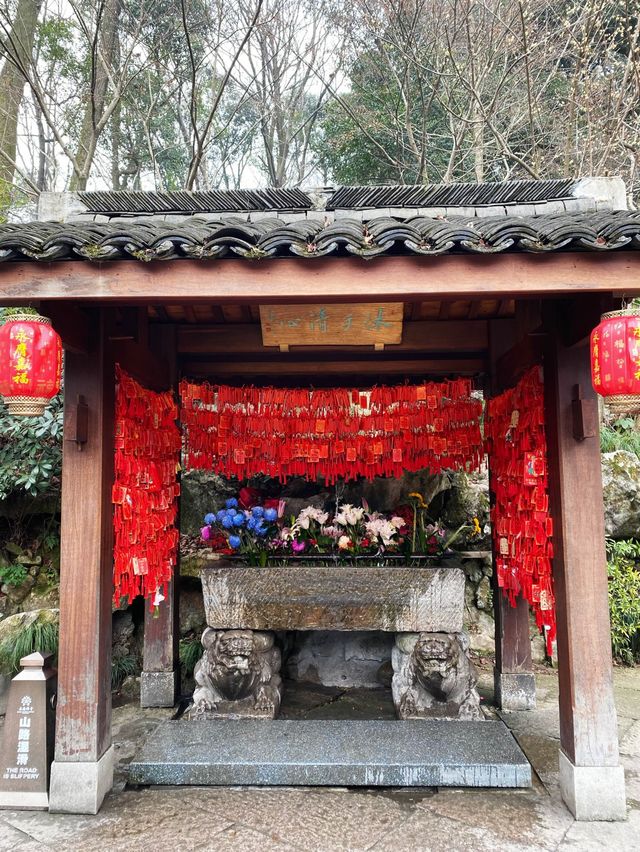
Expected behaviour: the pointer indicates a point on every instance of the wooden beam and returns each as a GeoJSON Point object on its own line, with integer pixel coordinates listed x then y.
{"type": "Point", "coordinates": [142, 364]}
{"type": "Point", "coordinates": [418, 366]}
{"type": "Point", "coordinates": [72, 324]}
{"type": "Point", "coordinates": [581, 316]}
{"type": "Point", "coordinates": [337, 279]}
{"type": "Point", "coordinates": [433, 336]}
{"type": "Point", "coordinates": [588, 724]}
{"type": "Point", "coordinates": [511, 366]}
{"type": "Point", "coordinates": [83, 714]}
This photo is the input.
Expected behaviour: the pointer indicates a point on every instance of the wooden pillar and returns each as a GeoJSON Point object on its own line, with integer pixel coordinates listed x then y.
{"type": "Point", "coordinates": [514, 683]}
{"type": "Point", "coordinates": [513, 679]}
{"type": "Point", "coordinates": [160, 680]}
{"type": "Point", "coordinates": [591, 779]}
{"type": "Point", "coordinates": [82, 771]}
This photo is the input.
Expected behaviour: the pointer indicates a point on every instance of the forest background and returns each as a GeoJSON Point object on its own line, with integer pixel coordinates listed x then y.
{"type": "Point", "coordinates": [205, 94]}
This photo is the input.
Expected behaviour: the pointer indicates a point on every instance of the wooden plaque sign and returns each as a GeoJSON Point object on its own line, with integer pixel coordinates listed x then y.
{"type": "Point", "coordinates": [331, 325]}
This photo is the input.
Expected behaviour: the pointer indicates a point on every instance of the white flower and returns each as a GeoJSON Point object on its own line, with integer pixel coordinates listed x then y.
{"type": "Point", "coordinates": [343, 542]}
{"type": "Point", "coordinates": [349, 515]}
{"type": "Point", "coordinates": [397, 522]}
{"type": "Point", "coordinates": [379, 528]}
{"type": "Point", "coordinates": [310, 513]}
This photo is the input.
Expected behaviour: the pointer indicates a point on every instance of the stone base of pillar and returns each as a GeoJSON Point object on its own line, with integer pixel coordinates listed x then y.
{"type": "Point", "coordinates": [593, 792]}
{"type": "Point", "coordinates": [79, 786]}
{"type": "Point", "coordinates": [514, 691]}
{"type": "Point", "coordinates": [159, 689]}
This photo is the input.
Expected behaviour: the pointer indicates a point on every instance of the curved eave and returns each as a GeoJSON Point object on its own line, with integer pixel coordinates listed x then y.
{"type": "Point", "coordinates": [150, 239]}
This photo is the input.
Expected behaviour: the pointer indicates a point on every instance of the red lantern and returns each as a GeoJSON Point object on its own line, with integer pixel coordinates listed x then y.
{"type": "Point", "coordinates": [30, 364]}
{"type": "Point", "coordinates": [615, 360]}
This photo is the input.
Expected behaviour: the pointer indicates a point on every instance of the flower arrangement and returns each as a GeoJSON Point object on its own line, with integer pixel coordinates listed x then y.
{"type": "Point", "coordinates": [258, 531]}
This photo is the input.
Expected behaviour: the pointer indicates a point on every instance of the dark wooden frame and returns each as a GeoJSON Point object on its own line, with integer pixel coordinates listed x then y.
{"type": "Point", "coordinates": [587, 713]}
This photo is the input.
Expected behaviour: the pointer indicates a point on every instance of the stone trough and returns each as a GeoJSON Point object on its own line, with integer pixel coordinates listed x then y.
{"type": "Point", "coordinates": [394, 598]}
{"type": "Point", "coordinates": [239, 673]}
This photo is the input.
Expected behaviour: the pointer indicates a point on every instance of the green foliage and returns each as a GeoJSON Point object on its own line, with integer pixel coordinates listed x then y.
{"type": "Point", "coordinates": [7, 313]}
{"type": "Point", "coordinates": [621, 435]}
{"type": "Point", "coordinates": [624, 599]}
{"type": "Point", "coordinates": [384, 154]}
{"type": "Point", "coordinates": [39, 636]}
{"type": "Point", "coordinates": [190, 651]}
{"type": "Point", "coordinates": [13, 575]}
{"type": "Point", "coordinates": [123, 666]}
{"type": "Point", "coordinates": [31, 452]}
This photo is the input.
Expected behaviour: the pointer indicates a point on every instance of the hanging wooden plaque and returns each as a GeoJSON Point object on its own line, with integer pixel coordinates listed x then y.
{"type": "Point", "coordinates": [374, 324]}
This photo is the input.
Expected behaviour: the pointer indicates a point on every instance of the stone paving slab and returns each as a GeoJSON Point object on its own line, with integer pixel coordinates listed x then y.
{"type": "Point", "coordinates": [278, 819]}
{"type": "Point", "coordinates": [370, 753]}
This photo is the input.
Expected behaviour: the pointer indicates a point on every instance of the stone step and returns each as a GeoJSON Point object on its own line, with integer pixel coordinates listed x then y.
{"type": "Point", "coordinates": [369, 753]}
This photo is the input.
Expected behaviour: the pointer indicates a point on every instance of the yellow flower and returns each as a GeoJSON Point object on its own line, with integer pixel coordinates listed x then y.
{"type": "Point", "coordinates": [476, 527]}
{"type": "Point", "coordinates": [419, 498]}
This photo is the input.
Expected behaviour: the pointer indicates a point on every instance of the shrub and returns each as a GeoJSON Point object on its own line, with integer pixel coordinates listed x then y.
{"type": "Point", "coordinates": [122, 666]}
{"type": "Point", "coordinates": [190, 651]}
{"type": "Point", "coordinates": [38, 636]}
{"type": "Point", "coordinates": [13, 575]}
{"type": "Point", "coordinates": [622, 434]}
{"type": "Point", "coordinates": [624, 599]}
{"type": "Point", "coordinates": [31, 452]}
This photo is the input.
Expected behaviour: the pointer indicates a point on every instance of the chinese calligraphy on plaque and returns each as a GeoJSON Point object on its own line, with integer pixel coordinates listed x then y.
{"type": "Point", "coordinates": [331, 325]}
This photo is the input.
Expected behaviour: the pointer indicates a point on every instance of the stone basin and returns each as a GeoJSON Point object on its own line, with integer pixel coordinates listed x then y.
{"type": "Point", "coordinates": [394, 598]}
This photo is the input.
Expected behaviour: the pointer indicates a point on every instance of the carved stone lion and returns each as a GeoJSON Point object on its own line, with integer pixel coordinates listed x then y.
{"type": "Point", "coordinates": [238, 675]}
{"type": "Point", "coordinates": [434, 677]}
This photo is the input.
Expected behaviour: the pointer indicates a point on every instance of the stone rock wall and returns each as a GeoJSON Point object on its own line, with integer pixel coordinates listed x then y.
{"type": "Point", "coordinates": [621, 487]}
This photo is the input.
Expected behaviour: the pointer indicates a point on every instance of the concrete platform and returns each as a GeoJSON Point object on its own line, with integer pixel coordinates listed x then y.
{"type": "Point", "coordinates": [364, 753]}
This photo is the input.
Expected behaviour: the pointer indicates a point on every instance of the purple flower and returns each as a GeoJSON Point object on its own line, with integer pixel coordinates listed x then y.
{"type": "Point", "coordinates": [297, 546]}
{"type": "Point", "coordinates": [205, 533]}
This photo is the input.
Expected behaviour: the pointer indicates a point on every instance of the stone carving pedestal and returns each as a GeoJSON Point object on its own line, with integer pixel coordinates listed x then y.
{"type": "Point", "coordinates": [434, 678]}
{"type": "Point", "coordinates": [238, 676]}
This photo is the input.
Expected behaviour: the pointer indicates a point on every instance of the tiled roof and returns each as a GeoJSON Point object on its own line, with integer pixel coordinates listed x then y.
{"type": "Point", "coordinates": [152, 238]}
{"type": "Point", "coordinates": [213, 201]}
{"type": "Point", "coordinates": [451, 194]}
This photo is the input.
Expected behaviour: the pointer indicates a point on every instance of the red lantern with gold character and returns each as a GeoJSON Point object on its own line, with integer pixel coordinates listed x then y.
{"type": "Point", "coordinates": [615, 360]}
{"type": "Point", "coordinates": [30, 363]}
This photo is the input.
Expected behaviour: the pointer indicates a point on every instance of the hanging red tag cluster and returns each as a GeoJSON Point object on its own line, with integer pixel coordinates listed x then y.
{"type": "Point", "coordinates": [334, 433]}
{"type": "Point", "coordinates": [145, 490]}
{"type": "Point", "coordinates": [520, 519]}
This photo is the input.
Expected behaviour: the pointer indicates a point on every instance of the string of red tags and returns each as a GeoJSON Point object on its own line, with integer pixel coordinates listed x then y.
{"type": "Point", "coordinates": [520, 520]}
{"type": "Point", "coordinates": [145, 490]}
{"type": "Point", "coordinates": [337, 433]}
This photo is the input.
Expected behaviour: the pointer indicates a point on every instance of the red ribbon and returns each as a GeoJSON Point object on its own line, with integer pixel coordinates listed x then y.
{"type": "Point", "coordinates": [333, 433]}
{"type": "Point", "coordinates": [145, 490]}
{"type": "Point", "coordinates": [521, 524]}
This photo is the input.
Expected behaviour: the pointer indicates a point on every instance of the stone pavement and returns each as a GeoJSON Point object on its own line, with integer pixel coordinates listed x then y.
{"type": "Point", "coordinates": [328, 819]}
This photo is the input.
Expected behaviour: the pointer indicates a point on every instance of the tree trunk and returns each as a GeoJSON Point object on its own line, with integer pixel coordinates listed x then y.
{"type": "Point", "coordinates": [18, 50]}
{"type": "Point", "coordinates": [102, 60]}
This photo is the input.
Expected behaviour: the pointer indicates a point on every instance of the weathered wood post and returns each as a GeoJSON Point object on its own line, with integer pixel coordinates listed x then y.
{"type": "Point", "coordinates": [160, 678]}
{"type": "Point", "coordinates": [82, 770]}
{"type": "Point", "coordinates": [591, 778]}
{"type": "Point", "coordinates": [513, 679]}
